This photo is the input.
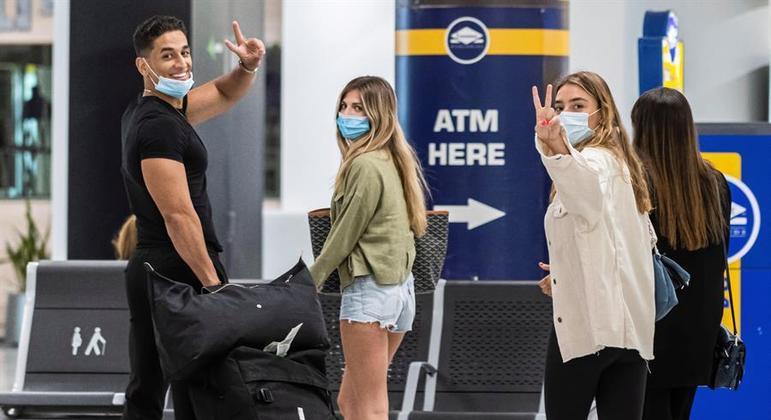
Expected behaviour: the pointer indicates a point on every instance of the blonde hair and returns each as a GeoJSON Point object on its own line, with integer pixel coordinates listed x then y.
{"type": "Point", "coordinates": [379, 103]}
{"type": "Point", "coordinates": [610, 133]}
{"type": "Point", "coordinates": [125, 242]}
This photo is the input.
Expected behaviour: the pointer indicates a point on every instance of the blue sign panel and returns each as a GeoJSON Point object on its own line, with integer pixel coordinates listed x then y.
{"type": "Point", "coordinates": [463, 81]}
{"type": "Point", "coordinates": [660, 53]}
{"type": "Point", "coordinates": [751, 196]}
{"type": "Point", "coordinates": [741, 152]}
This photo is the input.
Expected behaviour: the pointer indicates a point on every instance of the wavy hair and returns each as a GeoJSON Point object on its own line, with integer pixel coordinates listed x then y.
{"type": "Point", "coordinates": [125, 242]}
{"type": "Point", "coordinates": [379, 103]}
{"type": "Point", "coordinates": [610, 133]}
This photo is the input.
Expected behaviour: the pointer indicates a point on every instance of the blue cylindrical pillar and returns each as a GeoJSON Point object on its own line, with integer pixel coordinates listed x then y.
{"type": "Point", "coordinates": [463, 77]}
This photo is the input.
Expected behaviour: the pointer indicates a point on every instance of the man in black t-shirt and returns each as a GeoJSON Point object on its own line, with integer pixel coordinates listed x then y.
{"type": "Point", "coordinates": [164, 170]}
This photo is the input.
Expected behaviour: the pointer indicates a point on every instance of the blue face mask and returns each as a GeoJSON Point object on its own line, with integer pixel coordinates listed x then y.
{"type": "Point", "coordinates": [352, 127]}
{"type": "Point", "coordinates": [172, 87]}
{"type": "Point", "coordinates": [576, 125]}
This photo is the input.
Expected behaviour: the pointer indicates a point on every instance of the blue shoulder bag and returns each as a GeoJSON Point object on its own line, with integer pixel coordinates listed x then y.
{"type": "Point", "coordinates": [668, 275]}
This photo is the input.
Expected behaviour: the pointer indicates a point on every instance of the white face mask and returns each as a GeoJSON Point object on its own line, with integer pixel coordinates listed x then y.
{"type": "Point", "coordinates": [576, 125]}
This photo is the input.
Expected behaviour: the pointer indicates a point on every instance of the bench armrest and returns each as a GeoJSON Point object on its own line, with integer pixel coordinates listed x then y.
{"type": "Point", "coordinates": [411, 388]}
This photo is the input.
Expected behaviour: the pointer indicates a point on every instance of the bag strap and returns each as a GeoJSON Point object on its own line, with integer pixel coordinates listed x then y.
{"type": "Point", "coordinates": [654, 239]}
{"type": "Point", "coordinates": [654, 203]}
{"type": "Point", "coordinates": [727, 278]}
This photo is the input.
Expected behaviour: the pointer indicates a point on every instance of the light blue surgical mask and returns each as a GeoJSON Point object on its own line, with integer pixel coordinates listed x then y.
{"type": "Point", "coordinates": [172, 87]}
{"type": "Point", "coordinates": [576, 125]}
{"type": "Point", "coordinates": [352, 127]}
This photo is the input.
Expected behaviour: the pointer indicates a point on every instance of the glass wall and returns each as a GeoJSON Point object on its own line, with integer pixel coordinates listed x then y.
{"type": "Point", "coordinates": [25, 122]}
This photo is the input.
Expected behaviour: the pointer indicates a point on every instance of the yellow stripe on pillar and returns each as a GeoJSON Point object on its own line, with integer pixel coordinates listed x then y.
{"type": "Point", "coordinates": [529, 42]}
{"type": "Point", "coordinates": [548, 42]}
{"type": "Point", "coordinates": [730, 163]}
{"type": "Point", "coordinates": [420, 42]}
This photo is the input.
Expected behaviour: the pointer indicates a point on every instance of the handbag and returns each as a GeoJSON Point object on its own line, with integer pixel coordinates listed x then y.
{"type": "Point", "coordinates": [730, 353]}
{"type": "Point", "coordinates": [430, 249]}
{"type": "Point", "coordinates": [667, 275]}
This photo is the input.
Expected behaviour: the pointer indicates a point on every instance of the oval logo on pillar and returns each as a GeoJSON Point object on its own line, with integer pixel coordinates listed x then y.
{"type": "Point", "coordinates": [467, 40]}
{"type": "Point", "coordinates": [745, 219]}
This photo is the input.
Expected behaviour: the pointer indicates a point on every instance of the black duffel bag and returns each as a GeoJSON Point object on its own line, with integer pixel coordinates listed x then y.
{"type": "Point", "coordinates": [193, 329]}
{"type": "Point", "coordinates": [250, 384]}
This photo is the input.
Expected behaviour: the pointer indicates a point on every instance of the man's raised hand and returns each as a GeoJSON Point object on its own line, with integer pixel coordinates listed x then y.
{"type": "Point", "coordinates": [250, 50]}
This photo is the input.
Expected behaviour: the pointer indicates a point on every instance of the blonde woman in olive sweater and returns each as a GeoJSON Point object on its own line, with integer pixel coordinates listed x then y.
{"type": "Point", "coordinates": [377, 210]}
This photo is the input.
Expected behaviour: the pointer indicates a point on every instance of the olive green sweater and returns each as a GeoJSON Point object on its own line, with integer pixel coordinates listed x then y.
{"type": "Point", "coordinates": [370, 233]}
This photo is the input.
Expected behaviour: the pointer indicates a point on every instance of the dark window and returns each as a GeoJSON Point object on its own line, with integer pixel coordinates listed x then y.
{"type": "Point", "coordinates": [273, 122]}
{"type": "Point", "coordinates": [25, 121]}
{"type": "Point", "coordinates": [272, 39]}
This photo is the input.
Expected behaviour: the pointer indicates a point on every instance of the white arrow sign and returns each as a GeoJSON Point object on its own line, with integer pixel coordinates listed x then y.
{"type": "Point", "coordinates": [475, 213]}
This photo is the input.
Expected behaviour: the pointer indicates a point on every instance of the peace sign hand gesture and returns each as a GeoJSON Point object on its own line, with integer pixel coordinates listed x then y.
{"type": "Point", "coordinates": [250, 51]}
{"type": "Point", "coordinates": [547, 123]}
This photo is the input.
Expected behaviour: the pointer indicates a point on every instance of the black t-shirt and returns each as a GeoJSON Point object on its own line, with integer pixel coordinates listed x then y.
{"type": "Point", "coordinates": [152, 128]}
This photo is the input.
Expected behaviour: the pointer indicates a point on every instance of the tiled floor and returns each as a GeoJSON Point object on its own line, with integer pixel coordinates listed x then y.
{"type": "Point", "coordinates": [7, 369]}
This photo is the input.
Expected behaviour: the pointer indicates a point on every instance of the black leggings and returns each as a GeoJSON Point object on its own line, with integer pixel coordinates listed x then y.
{"type": "Point", "coordinates": [614, 377]}
{"type": "Point", "coordinates": [669, 403]}
{"type": "Point", "coordinates": [147, 387]}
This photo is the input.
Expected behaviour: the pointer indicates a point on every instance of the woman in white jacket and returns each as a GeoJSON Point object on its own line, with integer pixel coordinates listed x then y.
{"type": "Point", "coordinates": [601, 270]}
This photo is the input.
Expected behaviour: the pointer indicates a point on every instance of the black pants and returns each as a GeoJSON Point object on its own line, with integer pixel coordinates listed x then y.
{"type": "Point", "coordinates": [668, 403]}
{"type": "Point", "coordinates": [614, 377]}
{"type": "Point", "coordinates": [147, 387]}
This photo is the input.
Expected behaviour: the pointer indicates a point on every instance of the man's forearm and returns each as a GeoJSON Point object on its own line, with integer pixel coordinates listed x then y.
{"type": "Point", "coordinates": [187, 236]}
{"type": "Point", "coordinates": [236, 84]}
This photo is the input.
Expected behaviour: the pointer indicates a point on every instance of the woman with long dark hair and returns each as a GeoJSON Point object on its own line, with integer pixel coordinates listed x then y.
{"type": "Point", "coordinates": [691, 216]}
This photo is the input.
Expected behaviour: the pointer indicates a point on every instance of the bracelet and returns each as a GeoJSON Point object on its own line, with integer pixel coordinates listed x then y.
{"type": "Point", "coordinates": [246, 69]}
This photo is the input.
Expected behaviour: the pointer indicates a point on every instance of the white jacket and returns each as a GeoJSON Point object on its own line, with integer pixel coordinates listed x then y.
{"type": "Point", "coordinates": [600, 256]}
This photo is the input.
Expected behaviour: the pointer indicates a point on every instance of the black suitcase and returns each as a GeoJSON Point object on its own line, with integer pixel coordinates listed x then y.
{"type": "Point", "coordinates": [250, 384]}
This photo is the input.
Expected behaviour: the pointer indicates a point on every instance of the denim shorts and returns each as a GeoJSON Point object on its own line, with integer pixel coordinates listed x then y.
{"type": "Point", "coordinates": [392, 306]}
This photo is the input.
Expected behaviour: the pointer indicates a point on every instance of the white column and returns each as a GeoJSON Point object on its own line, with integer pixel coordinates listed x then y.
{"type": "Point", "coordinates": [324, 45]}
{"type": "Point", "coordinates": [60, 128]}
